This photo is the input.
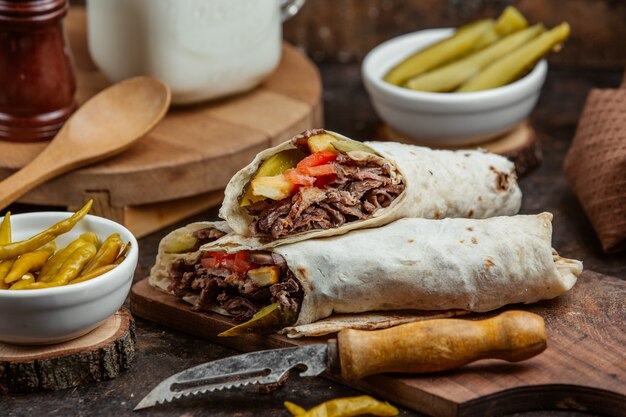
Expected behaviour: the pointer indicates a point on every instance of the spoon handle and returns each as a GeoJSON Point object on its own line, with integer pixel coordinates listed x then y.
{"type": "Point", "coordinates": [48, 164]}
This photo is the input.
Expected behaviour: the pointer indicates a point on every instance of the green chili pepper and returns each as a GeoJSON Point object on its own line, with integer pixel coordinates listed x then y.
{"type": "Point", "coordinates": [345, 407]}
{"type": "Point", "coordinates": [13, 250]}
{"type": "Point", "coordinates": [25, 281]}
{"type": "Point", "coordinates": [51, 268]}
{"type": "Point", "coordinates": [74, 264]}
{"type": "Point", "coordinates": [5, 229]}
{"type": "Point", "coordinates": [93, 273]}
{"type": "Point", "coordinates": [107, 253]}
{"type": "Point", "coordinates": [28, 262]}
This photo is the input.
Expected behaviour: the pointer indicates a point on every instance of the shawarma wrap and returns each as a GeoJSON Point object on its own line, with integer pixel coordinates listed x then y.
{"type": "Point", "coordinates": [473, 265]}
{"type": "Point", "coordinates": [321, 183]}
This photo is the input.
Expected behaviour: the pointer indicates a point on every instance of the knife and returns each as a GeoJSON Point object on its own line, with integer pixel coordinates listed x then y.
{"type": "Point", "coordinates": [425, 346]}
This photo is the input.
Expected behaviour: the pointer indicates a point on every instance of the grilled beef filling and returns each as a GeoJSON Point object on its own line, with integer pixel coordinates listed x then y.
{"type": "Point", "coordinates": [207, 235]}
{"type": "Point", "coordinates": [357, 191]}
{"type": "Point", "coordinates": [240, 284]}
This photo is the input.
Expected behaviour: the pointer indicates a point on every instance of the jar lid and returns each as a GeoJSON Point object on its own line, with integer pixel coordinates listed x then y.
{"type": "Point", "coordinates": [31, 11]}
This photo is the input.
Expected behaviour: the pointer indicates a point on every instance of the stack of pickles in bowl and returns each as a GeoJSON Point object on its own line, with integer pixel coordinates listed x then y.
{"type": "Point", "coordinates": [463, 86]}
{"type": "Point", "coordinates": [61, 275]}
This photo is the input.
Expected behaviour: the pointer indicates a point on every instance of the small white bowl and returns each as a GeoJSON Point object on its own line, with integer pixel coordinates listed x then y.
{"type": "Point", "coordinates": [445, 118]}
{"type": "Point", "coordinates": [54, 315]}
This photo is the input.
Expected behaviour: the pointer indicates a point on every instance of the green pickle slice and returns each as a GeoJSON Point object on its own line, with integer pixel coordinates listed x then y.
{"type": "Point", "coordinates": [269, 319]}
{"type": "Point", "coordinates": [274, 165]}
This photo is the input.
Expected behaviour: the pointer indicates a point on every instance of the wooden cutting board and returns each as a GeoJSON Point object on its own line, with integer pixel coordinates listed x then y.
{"type": "Point", "coordinates": [584, 367]}
{"type": "Point", "coordinates": [191, 154]}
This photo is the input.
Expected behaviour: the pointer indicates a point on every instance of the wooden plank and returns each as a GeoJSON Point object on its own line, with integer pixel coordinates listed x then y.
{"type": "Point", "coordinates": [584, 367]}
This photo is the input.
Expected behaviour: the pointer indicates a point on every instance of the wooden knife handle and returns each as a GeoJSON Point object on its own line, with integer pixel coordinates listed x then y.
{"type": "Point", "coordinates": [440, 344]}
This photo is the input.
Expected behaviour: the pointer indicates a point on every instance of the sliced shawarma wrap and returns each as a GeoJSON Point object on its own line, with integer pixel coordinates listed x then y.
{"type": "Point", "coordinates": [321, 183]}
{"type": "Point", "coordinates": [473, 265]}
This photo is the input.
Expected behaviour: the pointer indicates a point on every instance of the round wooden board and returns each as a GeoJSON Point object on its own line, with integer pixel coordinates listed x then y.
{"type": "Point", "coordinates": [521, 145]}
{"type": "Point", "coordinates": [97, 356]}
{"type": "Point", "coordinates": [194, 150]}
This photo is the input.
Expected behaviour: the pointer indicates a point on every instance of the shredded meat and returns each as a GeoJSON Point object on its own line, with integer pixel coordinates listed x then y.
{"type": "Point", "coordinates": [359, 189]}
{"type": "Point", "coordinates": [207, 235]}
{"type": "Point", "coordinates": [235, 292]}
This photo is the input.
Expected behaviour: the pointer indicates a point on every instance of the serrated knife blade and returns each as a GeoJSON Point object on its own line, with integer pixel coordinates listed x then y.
{"type": "Point", "coordinates": [263, 367]}
{"type": "Point", "coordinates": [425, 346]}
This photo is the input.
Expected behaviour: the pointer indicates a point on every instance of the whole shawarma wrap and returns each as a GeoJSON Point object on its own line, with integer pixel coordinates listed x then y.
{"type": "Point", "coordinates": [375, 183]}
{"type": "Point", "coordinates": [470, 265]}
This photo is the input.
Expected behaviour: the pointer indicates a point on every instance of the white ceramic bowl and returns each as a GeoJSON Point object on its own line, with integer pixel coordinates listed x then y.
{"type": "Point", "coordinates": [54, 315]}
{"type": "Point", "coordinates": [445, 118]}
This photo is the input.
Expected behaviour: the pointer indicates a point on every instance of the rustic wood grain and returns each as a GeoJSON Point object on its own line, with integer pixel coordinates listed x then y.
{"type": "Point", "coordinates": [584, 366]}
{"type": "Point", "coordinates": [97, 356]}
{"type": "Point", "coordinates": [194, 150]}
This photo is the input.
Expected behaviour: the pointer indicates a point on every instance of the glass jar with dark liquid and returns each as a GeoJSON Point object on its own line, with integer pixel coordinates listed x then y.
{"type": "Point", "coordinates": [37, 83]}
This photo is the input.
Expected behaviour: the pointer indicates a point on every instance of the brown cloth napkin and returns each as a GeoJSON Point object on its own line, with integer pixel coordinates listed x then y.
{"type": "Point", "coordinates": [596, 165]}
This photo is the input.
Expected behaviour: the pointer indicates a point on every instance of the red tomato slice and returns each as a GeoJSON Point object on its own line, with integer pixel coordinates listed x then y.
{"type": "Point", "coordinates": [320, 170]}
{"type": "Point", "coordinates": [210, 262]}
{"type": "Point", "coordinates": [318, 158]}
{"type": "Point", "coordinates": [325, 180]}
{"type": "Point", "coordinates": [298, 178]}
{"type": "Point", "coordinates": [235, 262]}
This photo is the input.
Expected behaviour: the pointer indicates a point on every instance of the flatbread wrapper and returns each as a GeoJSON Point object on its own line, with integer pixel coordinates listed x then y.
{"type": "Point", "coordinates": [438, 184]}
{"type": "Point", "coordinates": [473, 265]}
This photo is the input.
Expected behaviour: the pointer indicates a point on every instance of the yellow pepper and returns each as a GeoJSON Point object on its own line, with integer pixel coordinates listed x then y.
{"type": "Point", "coordinates": [122, 255]}
{"type": "Point", "coordinates": [345, 407]}
{"type": "Point", "coordinates": [74, 264]}
{"type": "Point", "coordinates": [93, 273]}
{"type": "Point", "coordinates": [107, 253]}
{"type": "Point", "coordinates": [5, 229]}
{"type": "Point", "coordinates": [5, 267]}
{"type": "Point", "coordinates": [13, 250]}
{"type": "Point", "coordinates": [51, 268]}
{"type": "Point", "coordinates": [26, 280]}
{"type": "Point", "coordinates": [28, 262]}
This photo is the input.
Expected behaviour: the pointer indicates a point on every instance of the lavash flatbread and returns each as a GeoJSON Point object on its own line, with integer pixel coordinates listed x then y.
{"type": "Point", "coordinates": [419, 264]}
{"type": "Point", "coordinates": [439, 184]}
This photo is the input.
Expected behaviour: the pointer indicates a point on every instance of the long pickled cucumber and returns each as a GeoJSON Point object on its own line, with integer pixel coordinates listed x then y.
{"type": "Point", "coordinates": [459, 44]}
{"type": "Point", "coordinates": [509, 21]}
{"type": "Point", "coordinates": [514, 64]}
{"type": "Point", "coordinates": [449, 77]}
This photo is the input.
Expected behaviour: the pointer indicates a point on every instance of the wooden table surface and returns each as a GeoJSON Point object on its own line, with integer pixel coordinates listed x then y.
{"type": "Point", "coordinates": [162, 352]}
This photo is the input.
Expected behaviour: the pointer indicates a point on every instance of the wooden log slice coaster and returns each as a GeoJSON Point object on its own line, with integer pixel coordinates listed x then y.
{"type": "Point", "coordinates": [97, 356]}
{"type": "Point", "coordinates": [521, 145]}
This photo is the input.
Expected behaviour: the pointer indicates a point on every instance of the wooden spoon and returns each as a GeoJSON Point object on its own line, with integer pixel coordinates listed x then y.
{"type": "Point", "coordinates": [105, 125]}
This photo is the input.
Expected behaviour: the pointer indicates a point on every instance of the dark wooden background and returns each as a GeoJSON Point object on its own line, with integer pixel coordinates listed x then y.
{"type": "Point", "coordinates": [337, 33]}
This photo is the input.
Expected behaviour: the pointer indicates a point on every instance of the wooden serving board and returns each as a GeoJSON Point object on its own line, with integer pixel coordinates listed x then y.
{"type": "Point", "coordinates": [584, 367]}
{"type": "Point", "coordinates": [97, 356]}
{"type": "Point", "coordinates": [191, 154]}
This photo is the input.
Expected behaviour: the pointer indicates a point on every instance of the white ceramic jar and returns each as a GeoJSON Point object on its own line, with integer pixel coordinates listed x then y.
{"type": "Point", "coordinates": [203, 49]}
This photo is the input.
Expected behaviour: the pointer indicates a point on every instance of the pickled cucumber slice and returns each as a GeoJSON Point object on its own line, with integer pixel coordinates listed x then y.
{"type": "Point", "coordinates": [269, 319]}
{"type": "Point", "coordinates": [511, 66]}
{"type": "Point", "coordinates": [449, 77]}
{"type": "Point", "coordinates": [459, 44]}
{"type": "Point", "coordinates": [272, 166]}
